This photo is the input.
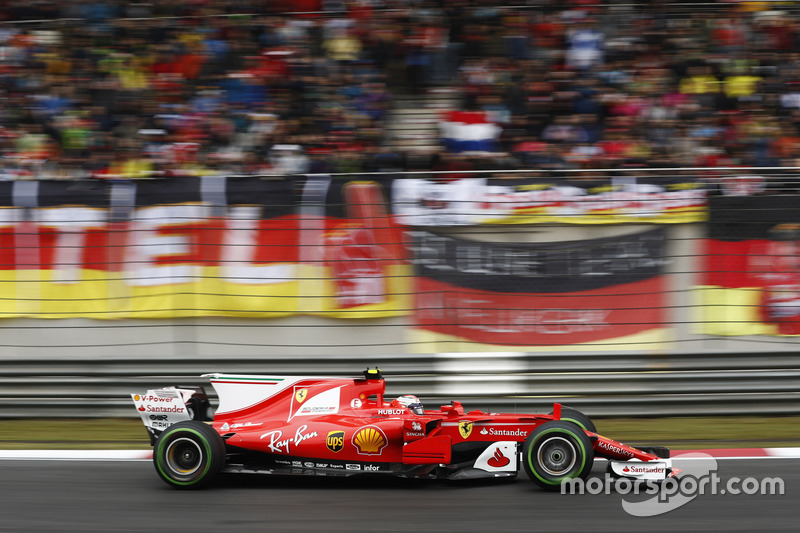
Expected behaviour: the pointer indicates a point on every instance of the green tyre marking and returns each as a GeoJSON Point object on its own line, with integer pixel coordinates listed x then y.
{"type": "Point", "coordinates": [159, 459]}
{"type": "Point", "coordinates": [567, 414]}
{"type": "Point", "coordinates": [558, 480]}
{"type": "Point", "coordinates": [575, 422]}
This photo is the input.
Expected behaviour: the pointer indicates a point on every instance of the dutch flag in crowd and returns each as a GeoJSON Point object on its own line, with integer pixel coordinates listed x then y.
{"type": "Point", "coordinates": [469, 131]}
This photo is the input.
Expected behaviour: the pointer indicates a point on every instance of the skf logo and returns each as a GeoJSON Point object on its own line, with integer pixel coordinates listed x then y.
{"type": "Point", "coordinates": [335, 441]}
{"type": "Point", "coordinates": [370, 440]}
{"type": "Point", "coordinates": [301, 395]}
{"type": "Point", "coordinates": [465, 429]}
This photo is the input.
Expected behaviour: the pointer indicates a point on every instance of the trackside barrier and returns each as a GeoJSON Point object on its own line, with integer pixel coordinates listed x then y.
{"type": "Point", "coordinates": [602, 386]}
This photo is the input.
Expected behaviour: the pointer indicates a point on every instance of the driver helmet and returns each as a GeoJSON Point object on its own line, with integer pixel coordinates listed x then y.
{"type": "Point", "coordinates": [411, 402]}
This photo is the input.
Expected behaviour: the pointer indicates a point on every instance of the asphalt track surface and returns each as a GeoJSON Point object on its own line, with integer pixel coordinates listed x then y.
{"type": "Point", "coordinates": [115, 496]}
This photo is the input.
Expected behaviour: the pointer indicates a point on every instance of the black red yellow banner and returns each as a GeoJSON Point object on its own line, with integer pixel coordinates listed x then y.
{"type": "Point", "coordinates": [598, 294]}
{"type": "Point", "coordinates": [189, 247]}
{"type": "Point", "coordinates": [750, 274]}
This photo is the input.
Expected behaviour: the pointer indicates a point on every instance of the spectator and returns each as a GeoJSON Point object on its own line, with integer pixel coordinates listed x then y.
{"type": "Point", "coordinates": [585, 45]}
{"type": "Point", "coordinates": [197, 89]}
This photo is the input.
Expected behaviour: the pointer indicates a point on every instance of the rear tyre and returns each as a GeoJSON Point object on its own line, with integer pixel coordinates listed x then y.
{"type": "Point", "coordinates": [557, 451]}
{"type": "Point", "coordinates": [189, 454]}
{"type": "Point", "coordinates": [569, 414]}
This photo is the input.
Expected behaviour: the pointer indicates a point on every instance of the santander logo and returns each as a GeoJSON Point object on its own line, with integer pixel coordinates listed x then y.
{"type": "Point", "coordinates": [644, 469]}
{"type": "Point", "coordinates": [498, 460]}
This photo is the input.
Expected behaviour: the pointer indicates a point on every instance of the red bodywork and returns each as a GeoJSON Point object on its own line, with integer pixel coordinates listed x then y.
{"type": "Point", "coordinates": [349, 424]}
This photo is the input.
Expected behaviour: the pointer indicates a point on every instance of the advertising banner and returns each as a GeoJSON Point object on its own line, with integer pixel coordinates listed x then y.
{"type": "Point", "coordinates": [547, 199]}
{"type": "Point", "coordinates": [598, 294]}
{"type": "Point", "coordinates": [361, 253]}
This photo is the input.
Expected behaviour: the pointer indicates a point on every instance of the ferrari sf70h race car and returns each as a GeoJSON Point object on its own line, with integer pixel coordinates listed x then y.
{"type": "Point", "coordinates": [337, 426]}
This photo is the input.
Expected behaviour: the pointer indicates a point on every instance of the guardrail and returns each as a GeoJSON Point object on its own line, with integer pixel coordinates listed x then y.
{"type": "Point", "coordinates": [602, 385]}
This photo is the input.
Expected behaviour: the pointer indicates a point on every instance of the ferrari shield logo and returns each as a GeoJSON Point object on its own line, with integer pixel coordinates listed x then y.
{"type": "Point", "coordinates": [300, 395]}
{"type": "Point", "coordinates": [465, 429]}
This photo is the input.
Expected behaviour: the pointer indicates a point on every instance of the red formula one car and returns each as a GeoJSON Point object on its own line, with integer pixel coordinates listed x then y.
{"type": "Point", "coordinates": [338, 426]}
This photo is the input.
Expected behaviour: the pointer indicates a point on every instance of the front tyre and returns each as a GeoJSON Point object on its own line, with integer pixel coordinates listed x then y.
{"type": "Point", "coordinates": [557, 451]}
{"type": "Point", "coordinates": [189, 454]}
{"type": "Point", "coordinates": [568, 414]}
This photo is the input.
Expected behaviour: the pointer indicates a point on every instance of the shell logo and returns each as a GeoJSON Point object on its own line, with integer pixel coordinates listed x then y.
{"type": "Point", "coordinates": [370, 440]}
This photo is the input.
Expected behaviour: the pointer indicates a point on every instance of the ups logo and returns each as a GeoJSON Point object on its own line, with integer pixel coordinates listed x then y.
{"type": "Point", "coordinates": [335, 441]}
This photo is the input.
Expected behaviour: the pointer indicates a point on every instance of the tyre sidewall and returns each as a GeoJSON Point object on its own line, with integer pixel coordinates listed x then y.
{"type": "Point", "coordinates": [208, 441]}
{"type": "Point", "coordinates": [570, 432]}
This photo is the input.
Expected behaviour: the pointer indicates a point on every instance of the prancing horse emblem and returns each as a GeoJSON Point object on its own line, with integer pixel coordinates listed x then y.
{"type": "Point", "coordinates": [300, 395]}
{"type": "Point", "coordinates": [465, 429]}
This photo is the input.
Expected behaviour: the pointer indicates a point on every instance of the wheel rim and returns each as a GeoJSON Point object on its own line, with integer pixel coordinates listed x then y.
{"type": "Point", "coordinates": [557, 456]}
{"type": "Point", "coordinates": [184, 456]}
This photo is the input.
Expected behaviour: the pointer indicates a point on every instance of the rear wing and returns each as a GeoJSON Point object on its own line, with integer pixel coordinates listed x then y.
{"type": "Point", "coordinates": [161, 408]}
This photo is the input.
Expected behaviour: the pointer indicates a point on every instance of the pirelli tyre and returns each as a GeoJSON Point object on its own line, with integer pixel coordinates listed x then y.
{"type": "Point", "coordinates": [557, 451]}
{"type": "Point", "coordinates": [189, 454]}
{"type": "Point", "coordinates": [573, 415]}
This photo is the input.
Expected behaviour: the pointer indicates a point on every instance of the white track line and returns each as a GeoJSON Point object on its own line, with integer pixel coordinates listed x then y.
{"type": "Point", "coordinates": [77, 455]}
{"type": "Point", "coordinates": [783, 452]}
